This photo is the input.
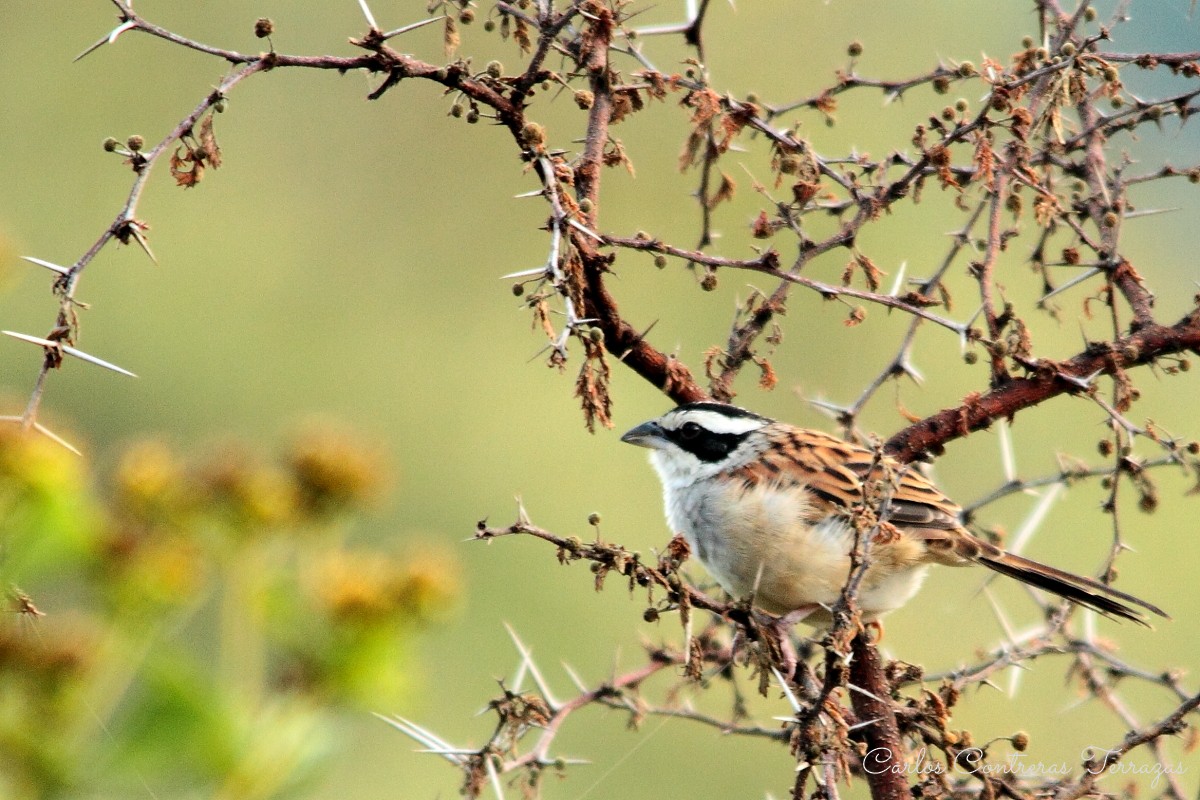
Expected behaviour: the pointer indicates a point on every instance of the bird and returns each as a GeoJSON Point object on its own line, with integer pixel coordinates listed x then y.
{"type": "Point", "coordinates": [770, 510]}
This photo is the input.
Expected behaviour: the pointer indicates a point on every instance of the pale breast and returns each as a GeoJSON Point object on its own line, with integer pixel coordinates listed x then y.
{"type": "Point", "coordinates": [758, 541]}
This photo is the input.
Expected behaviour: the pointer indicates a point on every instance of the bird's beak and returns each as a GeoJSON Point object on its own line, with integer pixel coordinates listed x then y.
{"type": "Point", "coordinates": [648, 434]}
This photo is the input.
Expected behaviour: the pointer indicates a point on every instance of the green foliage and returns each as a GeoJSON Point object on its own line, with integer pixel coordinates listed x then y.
{"type": "Point", "coordinates": [203, 620]}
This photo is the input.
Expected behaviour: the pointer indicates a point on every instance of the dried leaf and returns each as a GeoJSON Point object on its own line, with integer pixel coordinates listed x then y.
{"type": "Point", "coordinates": [725, 191]}
{"type": "Point", "coordinates": [871, 272]}
{"type": "Point", "coordinates": [984, 160]}
{"type": "Point", "coordinates": [187, 170]}
{"type": "Point", "coordinates": [691, 149]}
{"type": "Point", "coordinates": [208, 143]}
{"type": "Point", "coordinates": [591, 387]}
{"type": "Point", "coordinates": [450, 40]}
{"type": "Point", "coordinates": [714, 360]}
{"type": "Point", "coordinates": [761, 229]}
{"type": "Point", "coordinates": [768, 379]}
{"type": "Point", "coordinates": [521, 35]}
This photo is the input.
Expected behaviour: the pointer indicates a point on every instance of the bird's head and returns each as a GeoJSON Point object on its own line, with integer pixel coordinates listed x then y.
{"type": "Point", "coordinates": [698, 440]}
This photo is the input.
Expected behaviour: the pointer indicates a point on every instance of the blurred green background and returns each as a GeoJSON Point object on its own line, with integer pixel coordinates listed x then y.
{"type": "Point", "coordinates": [344, 264]}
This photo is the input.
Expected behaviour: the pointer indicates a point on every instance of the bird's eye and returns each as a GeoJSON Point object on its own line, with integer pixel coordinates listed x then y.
{"type": "Point", "coordinates": [690, 430]}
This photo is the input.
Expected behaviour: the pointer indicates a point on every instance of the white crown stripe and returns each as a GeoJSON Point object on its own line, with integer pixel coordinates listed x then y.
{"type": "Point", "coordinates": [712, 421]}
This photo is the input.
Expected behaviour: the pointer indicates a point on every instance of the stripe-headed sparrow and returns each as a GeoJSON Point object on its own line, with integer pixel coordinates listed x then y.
{"type": "Point", "coordinates": [770, 510]}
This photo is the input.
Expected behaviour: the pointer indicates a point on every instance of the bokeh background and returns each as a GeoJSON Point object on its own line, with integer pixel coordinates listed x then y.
{"type": "Point", "coordinates": [344, 264]}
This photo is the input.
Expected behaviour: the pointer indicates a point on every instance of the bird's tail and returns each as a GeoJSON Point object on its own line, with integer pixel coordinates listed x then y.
{"type": "Point", "coordinates": [1076, 588]}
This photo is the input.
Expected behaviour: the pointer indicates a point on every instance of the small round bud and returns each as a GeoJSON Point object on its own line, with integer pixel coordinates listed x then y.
{"type": "Point", "coordinates": [961, 105]}
{"type": "Point", "coordinates": [467, 16]}
{"type": "Point", "coordinates": [1116, 101]}
{"type": "Point", "coordinates": [650, 615]}
{"type": "Point", "coordinates": [533, 134]}
{"type": "Point", "coordinates": [518, 289]}
{"type": "Point", "coordinates": [966, 69]}
{"type": "Point", "coordinates": [854, 49]}
{"type": "Point", "coordinates": [642, 236]}
{"type": "Point", "coordinates": [1184, 365]}
{"type": "Point", "coordinates": [1041, 54]}
{"type": "Point", "coordinates": [948, 113]}
{"type": "Point", "coordinates": [1020, 741]}
{"type": "Point", "coordinates": [111, 144]}
{"type": "Point", "coordinates": [1154, 112]}
{"type": "Point", "coordinates": [594, 518]}
{"type": "Point", "coordinates": [660, 261]}
{"type": "Point", "coordinates": [1111, 219]}
{"type": "Point", "coordinates": [584, 99]}
{"type": "Point", "coordinates": [970, 357]}
{"type": "Point", "coordinates": [1111, 73]}
{"type": "Point", "coordinates": [752, 98]}
{"type": "Point", "coordinates": [221, 105]}
{"type": "Point", "coordinates": [135, 143]}
{"type": "Point", "coordinates": [456, 110]}
{"type": "Point", "coordinates": [585, 205]}
{"type": "Point", "coordinates": [1068, 49]}
{"type": "Point", "coordinates": [1089, 14]}
{"type": "Point", "coordinates": [473, 116]}
{"type": "Point", "coordinates": [597, 336]}
{"type": "Point", "coordinates": [494, 69]}
{"type": "Point", "coordinates": [545, 86]}
{"type": "Point", "coordinates": [1105, 447]}
{"type": "Point", "coordinates": [709, 281]}
{"type": "Point", "coordinates": [941, 84]}
{"type": "Point", "coordinates": [1106, 482]}
{"type": "Point", "coordinates": [1027, 42]}
{"type": "Point", "coordinates": [263, 27]}
{"type": "Point", "coordinates": [489, 25]}
{"type": "Point", "coordinates": [1193, 448]}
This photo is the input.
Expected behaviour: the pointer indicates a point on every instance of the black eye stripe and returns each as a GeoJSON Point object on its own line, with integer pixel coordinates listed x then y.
{"type": "Point", "coordinates": [704, 444]}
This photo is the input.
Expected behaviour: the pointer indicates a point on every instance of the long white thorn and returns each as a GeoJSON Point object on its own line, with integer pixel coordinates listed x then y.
{"type": "Point", "coordinates": [128, 25]}
{"type": "Point", "coordinates": [411, 27]}
{"type": "Point", "coordinates": [534, 672]}
{"type": "Point", "coordinates": [72, 351]}
{"type": "Point", "coordinates": [54, 437]}
{"type": "Point", "coordinates": [367, 13]}
{"type": "Point", "coordinates": [48, 265]}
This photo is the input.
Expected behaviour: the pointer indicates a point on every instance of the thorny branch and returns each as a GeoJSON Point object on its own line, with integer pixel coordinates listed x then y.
{"type": "Point", "coordinates": [1038, 150]}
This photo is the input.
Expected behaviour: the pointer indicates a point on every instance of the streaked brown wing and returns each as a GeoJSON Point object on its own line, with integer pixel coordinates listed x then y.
{"type": "Point", "coordinates": [834, 471]}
